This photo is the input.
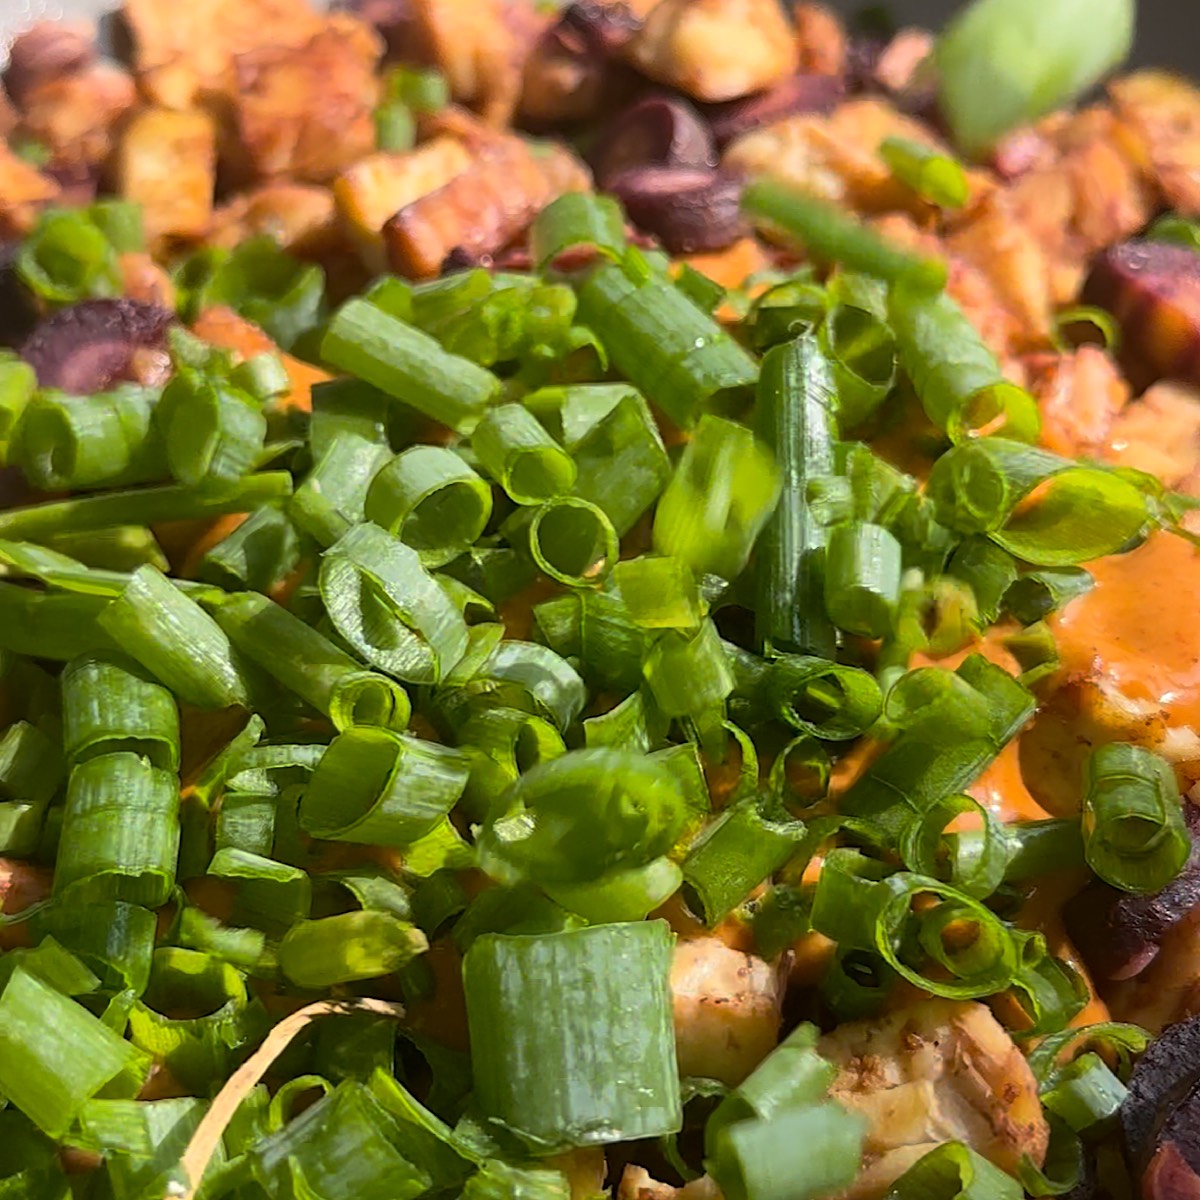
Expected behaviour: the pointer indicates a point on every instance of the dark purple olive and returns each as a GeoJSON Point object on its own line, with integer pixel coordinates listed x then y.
{"type": "Point", "coordinates": [1153, 289]}
{"type": "Point", "coordinates": [1119, 933]}
{"type": "Point", "coordinates": [607, 28]}
{"type": "Point", "coordinates": [49, 50]}
{"type": "Point", "coordinates": [800, 94]}
{"type": "Point", "coordinates": [1166, 1074]}
{"type": "Point", "coordinates": [90, 346]}
{"type": "Point", "coordinates": [1170, 1175]}
{"type": "Point", "coordinates": [656, 131]}
{"type": "Point", "coordinates": [689, 210]}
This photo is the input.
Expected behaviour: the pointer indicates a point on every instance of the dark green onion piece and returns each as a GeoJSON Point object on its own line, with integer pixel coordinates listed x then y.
{"type": "Point", "coordinates": [518, 453]}
{"type": "Point", "coordinates": [813, 695]}
{"type": "Point", "coordinates": [624, 894]}
{"type": "Point", "coordinates": [574, 818]}
{"type": "Point", "coordinates": [120, 835]}
{"type": "Point", "coordinates": [667, 347]}
{"type": "Point", "coordinates": [574, 221]}
{"type": "Point", "coordinates": [953, 1171]}
{"type": "Point", "coordinates": [573, 541]}
{"type": "Point", "coordinates": [862, 578]}
{"type": "Point", "coordinates": [976, 864]}
{"type": "Point", "coordinates": [795, 421]}
{"type": "Point", "coordinates": [432, 501]}
{"type": "Point", "coordinates": [176, 641]}
{"type": "Point", "coordinates": [828, 234]}
{"type": "Point", "coordinates": [1039, 848]}
{"type": "Point", "coordinates": [748, 842]}
{"type": "Point", "coordinates": [55, 1055]}
{"type": "Point", "coordinates": [333, 497]}
{"type": "Point", "coordinates": [934, 176]}
{"type": "Point", "coordinates": [409, 365]}
{"type": "Point", "coordinates": [310, 665]}
{"type": "Point", "coordinates": [1004, 63]}
{"type": "Point", "coordinates": [862, 352]}
{"type": "Point", "coordinates": [378, 788]}
{"type": "Point", "coordinates": [1134, 835]}
{"type": "Point", "coordinates": [110, 705]}
{"type": "Point", "coordinates": [503, 742]}
{"type": "Point", "coordinates": [659, 593]}
{"type": "Point", "coordinates": [270, 895]}
{"type": "Point", "coordinates": [140, 507]}
{"type": "Point", "coordinates": [719, 498]}
{"type": "Point", "coordinates": [806, 1151]}
{"type": "Point", "coordinates": [956, 377]}
{"type": "Point", "coordinates": [341, 949]}
{"type": "Point", "coordinates": [498, 1180]}
{"type": "Point", "coordinates": [389, 608]}
{"type": "Point", "coordinates": [115, 939]}
{"type": "Point", "coordinates": [18, 383]}
{"type": "Point", "coordinates": [594, 1008]}
{"type": "Point", "coordinates": [988, 571]}
{"type": "Point", "coordinates": [1041, 508]}
{"type": "Point", "coordinates": [66, 443]}
{"type": "Point", "coordinates": [1037, 594]}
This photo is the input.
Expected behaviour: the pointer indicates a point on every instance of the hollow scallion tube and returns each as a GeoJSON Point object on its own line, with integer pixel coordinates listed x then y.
{"type": "Point", "coordinates": [109, 704]}
{"type": "Point", "coordinates": [409, 365]}
{"type": "Point", "coordinates": [432, 501]}
{"type": "Point", "coordinates": [375, 787]}
{"type": "Point", "coordinates": [862, 578]}
{"type": "Point", "coordinates": [664, 344]}
{"type": "Point", "coordinates": [71, 442]}
{"type": "Point", "coordinates": [259, 554]}
{"type": "Point", "coordinates": [389, 608]}
{"type": "Point", "coordinates": [957, 378]}
{"type": "Point", "coordinates": [575, 220]}
{"type": "Point", "coordinates": [594, 1006]}
{"type": "Point", "coordinates": [176, 641]}
{"type": "Point", "coordinates": [517, 452]}
{"type": "Point", "coordinates": [718, 500]}
{"type": "Point", "coordinates": [688, 673]}
{"type": "Point", "coordinates": [573, 541]}
{"type": "Point", "coordinates": [51, 625]}
{"type": "Point", "coordinates": [309, 664]}
{"type": "Point", "coordinates": [830, 235]}
{"type": "Point", "coordinates": [1134, 835]}
{"type": "Point", "coordinates": [795, 421]}
{"type": "Point", "coordinates": [120, 835]}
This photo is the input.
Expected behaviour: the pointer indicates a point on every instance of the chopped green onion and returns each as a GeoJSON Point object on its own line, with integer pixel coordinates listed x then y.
{"type": "Point", "coordinates": [379, 788]}
{"type": "Point", "coordinates": [802, 1152]}
{"type": "Point", "coordinates": [667, 347]}
{"type": "Point", "coordinates": [51, 625]}
{"type": "Point", "coordinates": [141, 506]}
{"type": "Point", "coordinates": [573, 541]}
{"type": "Point", "coordinates": [259, 554]}
{"type": "Point", "coordinates": [1181, 231]}
{"type": "Point", "coordinates": [1041, 508]}
{"type": "Point", "coordinates": [746, 844]}
{"type": "Point", "coordinates": [502, 743]}
{"type": "Point", "coordinates": [110, 705]}
{"type": "Point", "coordinates": [395, 128]}
{"type": "Point", "coordinates": [350, 946]}
{"type": "Point", "coordinates": [55, 1056]}
{"type": "Point", "coordinates": [976, 864]}
{"type": "Point", "coordinates": [120, 835]}
{"type": "Point", "coordinates": [1004, 63]}
{"type": "Point", "coordinates": [659, 593]}
{"type": "Point", "coordinates": [718, 500]}
{"type": "Point", "coordinates": [688, 673]}
{"type": "Point", "coordinates": [269, 895]}
{"type": "Point", "coordinates": [114, 938]}
{"type": "Point", "coordinates": [18, 383]}
{"type": "Point", "coordinates": [957, 378]}
{"type": "Point", "coordinates": [862, 579]}
{"type": "Point", "coordinates": [953, 1171]}
{"type": "Point", "coordinates": [68, 258]}
{"type": "Point", "coordinates": [408, 365]}
{"type": "Point", "coordinates": [593, 1008]}
{"type": "Point", "coordinates": [1037, 594]}
{"type": "Point", "coordinates": [862, 353]}
{"type": "Point", "coordinates": [423, 89]}
{"type": "Point", "coordinates": [333, 496]}
{"type": "Point", "coordinates": [1134, 835]}
{"type": "Point", "coordinates": [574, 818]}
{"type": "Point", "coordinates": [518, 453]}
{"type": "Point", "coordinates": [829, 235]}
{"type": "Point", "coordinates": [66, 443]}
{"type": "Point", "coordinates": [988, 571]}
{"type": "Point", "coordinates": [176, 641]}
{"type": "Point", "coordinates": [1085, 1093]}
{"type": "Point", "coordinates": [389, 608]}
{"type": "Point", "coordinates": [934, 176]}
{"type": "Point", "coordinates": [310, 665]}
{"type": "Point", "coordinates": [574, 221]}
{"type": "Point", "coordinates": [795, 420]}
{"type": "Point", "coordinates": [432, 501]}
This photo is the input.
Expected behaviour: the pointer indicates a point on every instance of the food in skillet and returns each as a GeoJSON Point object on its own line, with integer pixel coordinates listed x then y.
{"type": "Point", "coordinates": [598, 599]}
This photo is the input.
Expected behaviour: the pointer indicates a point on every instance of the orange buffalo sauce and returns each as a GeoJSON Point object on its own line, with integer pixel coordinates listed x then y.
{"type": "Point", "coordinates": [1139, 628]}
